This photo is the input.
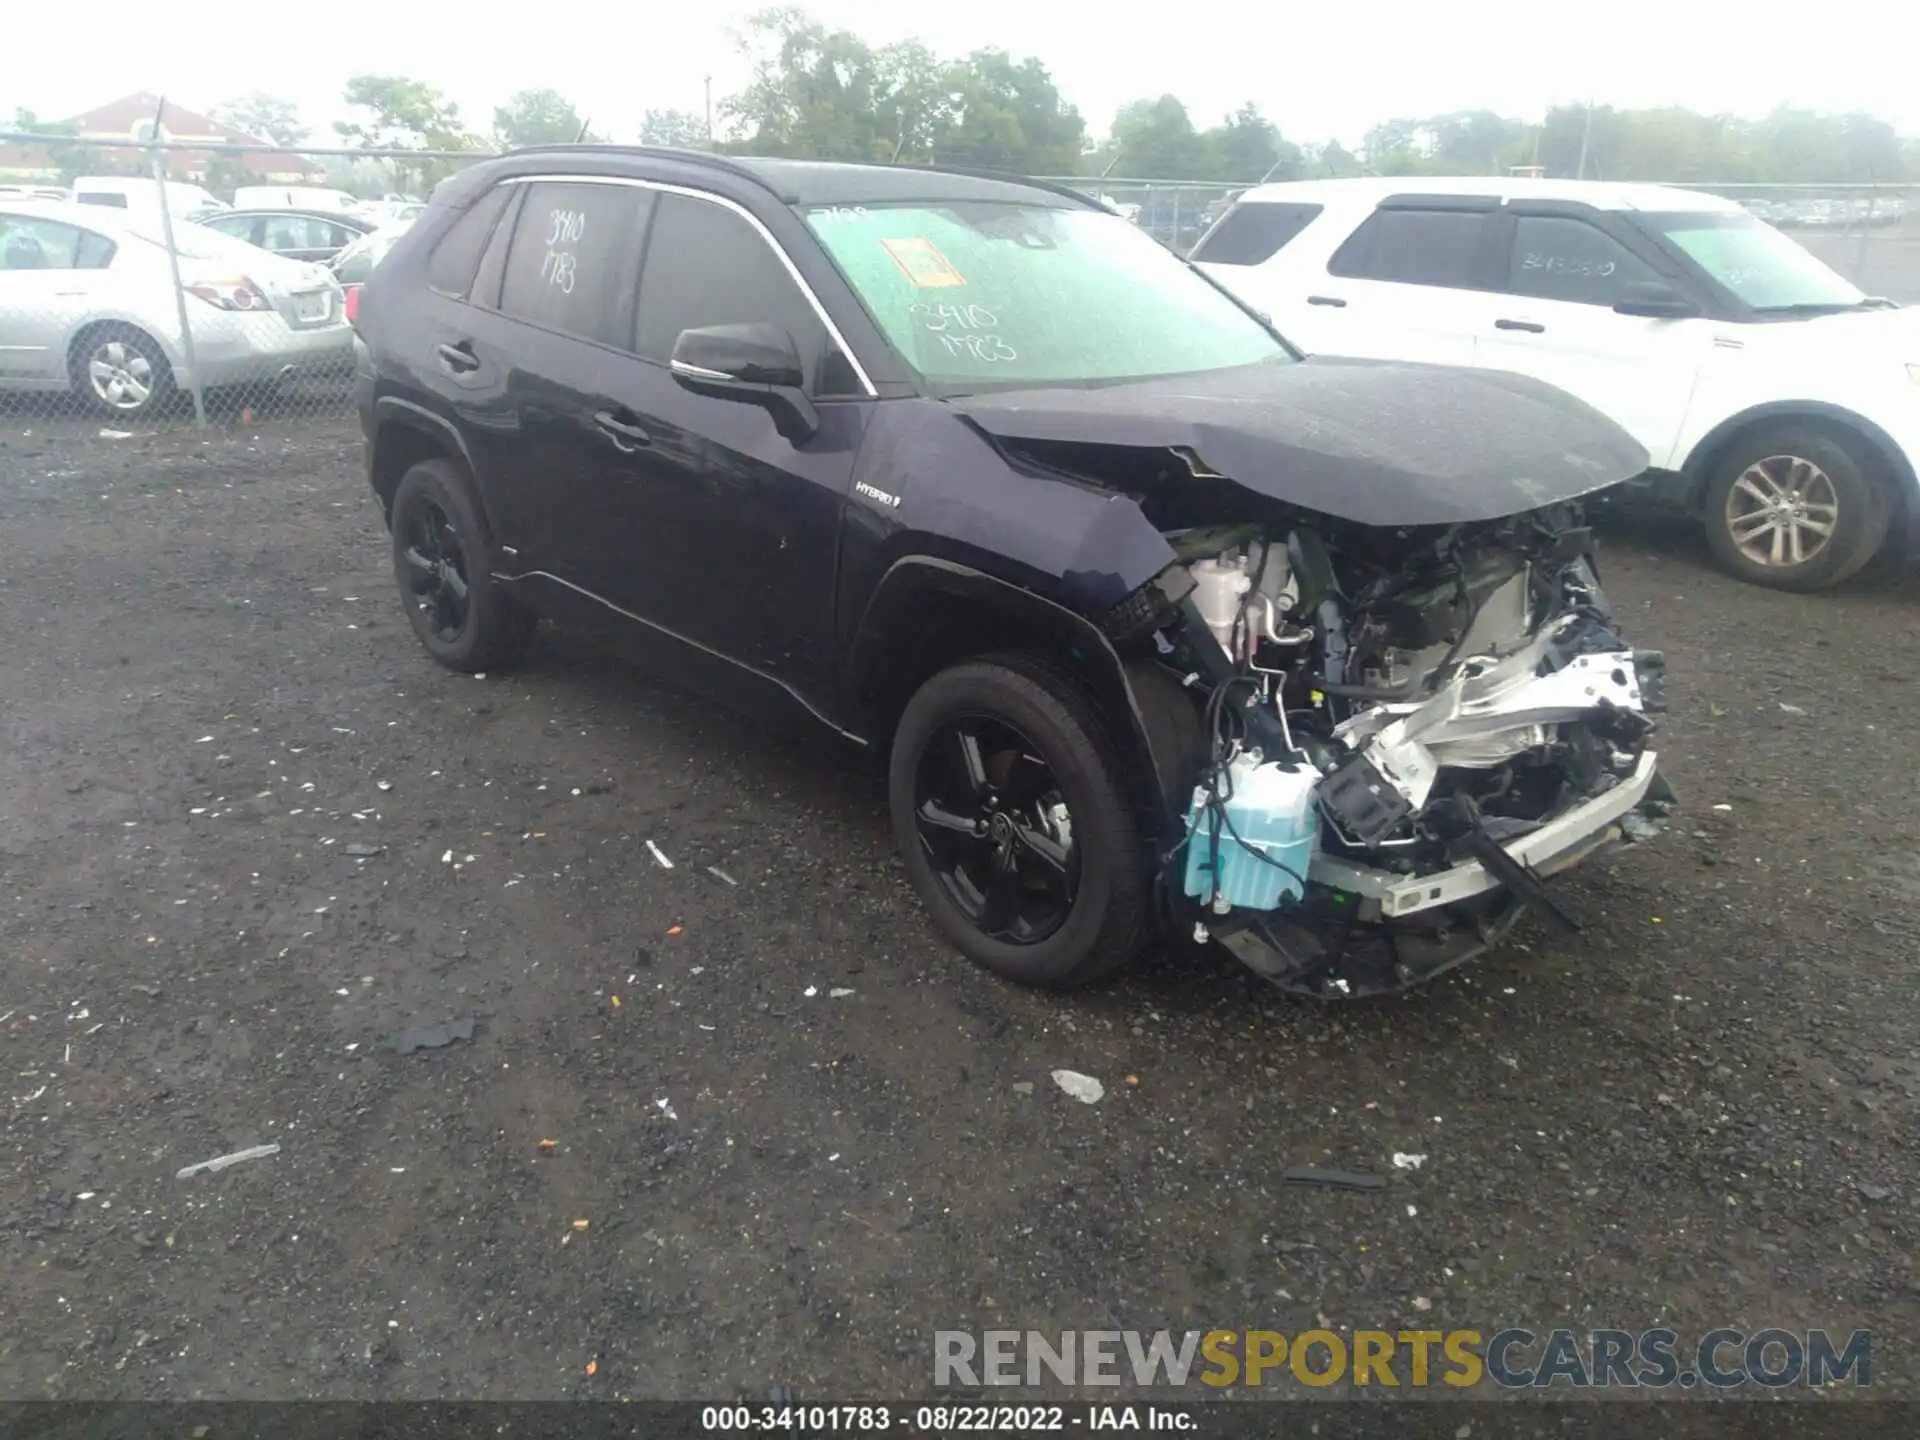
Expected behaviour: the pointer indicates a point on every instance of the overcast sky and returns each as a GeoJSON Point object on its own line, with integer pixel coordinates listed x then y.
{"type": "Point", "coordinates": [1319, 70]}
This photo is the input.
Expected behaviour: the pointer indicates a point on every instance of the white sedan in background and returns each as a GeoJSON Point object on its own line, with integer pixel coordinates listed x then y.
{"type": "Point", "coordinates": [87, 306]}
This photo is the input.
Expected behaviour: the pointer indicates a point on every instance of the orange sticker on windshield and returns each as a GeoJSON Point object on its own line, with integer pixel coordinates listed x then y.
{"type": "Point", "coordinates": [922, 263]}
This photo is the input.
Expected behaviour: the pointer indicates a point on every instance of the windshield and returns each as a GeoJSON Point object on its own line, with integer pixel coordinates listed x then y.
{"type": "Point", "coordinates": [1761, 266]}
{"type": "Point", "coordinates": [979, 294]}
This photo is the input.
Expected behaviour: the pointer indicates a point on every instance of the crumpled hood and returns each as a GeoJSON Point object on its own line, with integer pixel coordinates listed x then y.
{"type": "Point", "coordinates": [1376, 442]}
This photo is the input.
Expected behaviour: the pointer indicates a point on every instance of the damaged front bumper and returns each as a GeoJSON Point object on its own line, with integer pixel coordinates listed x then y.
{"type": "Point", "coordinates": [1557, 845]}
{"type": "Point", "coordinates": [1366, 931]}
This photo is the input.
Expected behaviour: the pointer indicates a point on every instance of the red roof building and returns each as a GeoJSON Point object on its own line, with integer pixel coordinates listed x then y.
{"type": "Point", "coordinates": [131, 119]}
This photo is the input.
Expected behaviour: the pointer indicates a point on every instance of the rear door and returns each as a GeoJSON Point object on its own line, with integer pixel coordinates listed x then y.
{"type": "Point", "coordinates": [1563, 270]}
{"type": "Point", "coordinates": [1412, 282]}
{"type": "Point", "coordinates": [51, 276]}
{"type": "Point", "coordinates": [545, 344]}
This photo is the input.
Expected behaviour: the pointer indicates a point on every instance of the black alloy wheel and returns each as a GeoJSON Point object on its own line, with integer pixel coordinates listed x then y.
{"type": "Point", "coordinates": [1014, 809]}
{"type": "Point", "coordinates": [436, 570]}
{"type": "Point", "coordinates": [996, 829]}
{"type": "Point", "coordinates": [464, 616]}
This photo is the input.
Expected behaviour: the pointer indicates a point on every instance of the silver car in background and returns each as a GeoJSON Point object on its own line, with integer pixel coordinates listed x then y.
{"type": "Point", "coordinates": [87, 306]}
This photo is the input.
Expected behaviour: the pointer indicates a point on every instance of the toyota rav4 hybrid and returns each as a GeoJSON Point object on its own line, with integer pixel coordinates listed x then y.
{"type": "Point", "coordinates": [1780, 406]}
{"type": "Point", "coordinates": [1158, 626]}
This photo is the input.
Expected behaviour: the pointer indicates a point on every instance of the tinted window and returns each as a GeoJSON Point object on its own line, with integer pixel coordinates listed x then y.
{"type": "Point", "coordinates": [30, 243]}
{"type": "Point", "coordinates": [457, 256]}
{"type": "Point", "coordinates": [1555, 258]}
{"type": "Point", "coordinates": [1253, 233]}
{"type": "Point", "coordinates": [706, 265]}
{"type": "Point", "coordinates": [238, 226]}
{"type": "Point", "coordinates": [299, 232]}
{"type": "Point", "coordinates": [101, 197]}
{"type": "Point", "coordinates": [567, 267]}
{"type": "Point", "coordinates": [1415, 247]}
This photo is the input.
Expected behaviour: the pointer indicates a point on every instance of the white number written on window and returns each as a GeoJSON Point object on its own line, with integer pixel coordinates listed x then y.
{"type": "Point", "coordinates": [988, 349]}
{"type": "Point", "coordinates": [564, 227]}
{"type": "Point", "coordinates": [951, 319]}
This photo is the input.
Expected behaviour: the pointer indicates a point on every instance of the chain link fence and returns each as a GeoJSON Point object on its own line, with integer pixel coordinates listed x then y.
{"type": "Point", "coordinates": [147, 285]}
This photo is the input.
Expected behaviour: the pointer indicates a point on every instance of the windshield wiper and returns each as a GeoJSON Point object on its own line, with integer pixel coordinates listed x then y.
{"type": "Point", "coordinates": [1828, 307]}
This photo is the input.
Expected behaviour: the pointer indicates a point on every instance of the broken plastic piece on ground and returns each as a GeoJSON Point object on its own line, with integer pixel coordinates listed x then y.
{"type": "Point", "coordinates": [1403, 1161]}
{"type": "Point", "coordinates": [658, 854]}
{"type": "Point", "coordinates": [1333, 1179]}
{"type": "Point", "coordinates": [1083, 1088]}
{"type": "Point", "coordinates": [580, 1224]}
{"type": "Point", "coordinates": [719, 874]}
{"type": "Point", "coordinates": [116, 434]}
{"type": "Point", "coordinates": [221, 1162]}
{"type": "Point", "coordinates": [839, 993]}
{"type": "Point", "coordinates": [361, 851]}
{"type": "Point", "coordinates": [592, 1366]}
{"type": "Point", "coordinates": [673, 930]}
{"type": "Point", "coordinates": [547, 1147]}
{"type": "Point", "coordinates": [432, 1037]}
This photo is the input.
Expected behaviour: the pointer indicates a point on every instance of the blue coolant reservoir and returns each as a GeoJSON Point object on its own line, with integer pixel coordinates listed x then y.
{"type": "Point", "coordinates": [1271, 809]}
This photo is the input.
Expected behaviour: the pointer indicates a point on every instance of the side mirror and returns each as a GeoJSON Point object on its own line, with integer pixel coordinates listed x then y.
{"type": "Point", "coordinates": [1654, 301]}
{"type": "Point", "coordinates": [757, 364]}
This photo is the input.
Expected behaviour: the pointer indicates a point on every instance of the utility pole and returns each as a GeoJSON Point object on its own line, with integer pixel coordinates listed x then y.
{"type": "Point", "coordinates": [1586, 140]}
{"type": "Point", "coordinates": [709, 85]}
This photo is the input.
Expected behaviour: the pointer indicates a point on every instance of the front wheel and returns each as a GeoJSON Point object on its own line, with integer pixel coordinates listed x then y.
{"type": "Point", "coordinates": [1010, 809]}
{"type": "Point", "coordinates": [1795, 508]}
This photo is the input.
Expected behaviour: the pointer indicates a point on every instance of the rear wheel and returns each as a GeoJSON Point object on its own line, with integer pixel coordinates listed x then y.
{"type": "Point", "coordinates": [121, 371]}
{"type": "Point", "coordinates": [1010, 809]}
{"type": "Point", "coordinates": [1796, 508]}
{"type": "Point", "coordinates": [463, 616]}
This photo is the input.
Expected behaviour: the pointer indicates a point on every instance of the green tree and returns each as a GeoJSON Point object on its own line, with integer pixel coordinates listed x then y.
{"type": "Point", "coordinates": [679, 128]}
{"type": "Point", "coordinates": [812, 94]}
{"type": "Point", "coordinates": [403, 114]}
{"type": "Point", "coordinates": [537, 117]}
{"type": "Point", "coordinates": [1007, 114]}
{"type": "Point", "coordinates": [1249, 147]}
{"type": "Point", "coordinates": [1156, 141]}
{"type": "Point", "coordinates": [264, 117]}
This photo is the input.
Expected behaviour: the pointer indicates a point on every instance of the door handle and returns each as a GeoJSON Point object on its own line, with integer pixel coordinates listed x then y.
{"type": "Point", "coordinates": [458, 358]}
{"type": "Point", "coordinates": [624, 434]}
{"type": "Point", "coordinates": [1335, 301]}
{"type": "Point", "coordinates": [1527, 325]}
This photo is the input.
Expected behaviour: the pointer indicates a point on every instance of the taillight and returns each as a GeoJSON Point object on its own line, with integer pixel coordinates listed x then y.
{"type": "Point", "coordinates": [353, 306]}
{"type": "Point", "coordinates": [238, 293]}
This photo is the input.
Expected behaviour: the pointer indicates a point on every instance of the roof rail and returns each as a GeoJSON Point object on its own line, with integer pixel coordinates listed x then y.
{"type": "Point", "coordinates": [667, 152]}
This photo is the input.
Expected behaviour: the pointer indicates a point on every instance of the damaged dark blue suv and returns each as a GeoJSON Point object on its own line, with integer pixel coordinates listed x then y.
{"type": "Point", "coordinates": [1162, 629]}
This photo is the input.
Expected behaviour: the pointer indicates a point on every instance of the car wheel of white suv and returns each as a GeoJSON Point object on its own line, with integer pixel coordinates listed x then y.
{"type": "Point", "coordinates": [1796, 508]}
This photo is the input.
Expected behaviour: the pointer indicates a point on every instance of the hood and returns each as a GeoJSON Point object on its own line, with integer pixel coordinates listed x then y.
{"type": "Point", "coordinates": [1880, 334]}
{"type": "Point", "coordinates": [1375, 442]}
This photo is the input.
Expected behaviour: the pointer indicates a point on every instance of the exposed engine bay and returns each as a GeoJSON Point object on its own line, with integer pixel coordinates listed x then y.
{"type": "Point", "coordinates": [1403, 733]}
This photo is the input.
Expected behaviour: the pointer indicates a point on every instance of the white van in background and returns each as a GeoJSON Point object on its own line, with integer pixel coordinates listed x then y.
{"type": "Point", "coordinates": [293, 197]}
{"type": "Point", "coordinates": [137, 194]}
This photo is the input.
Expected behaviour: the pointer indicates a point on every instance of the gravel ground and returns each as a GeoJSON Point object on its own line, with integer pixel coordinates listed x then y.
{"type": "Point", "coordinates": [792, 1134]}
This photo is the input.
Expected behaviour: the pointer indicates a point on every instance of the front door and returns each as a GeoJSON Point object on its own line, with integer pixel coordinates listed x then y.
{"type": "Point", "coordinates": [726, 533]}
{"type": "Point", "coordinates": [1555, 322]}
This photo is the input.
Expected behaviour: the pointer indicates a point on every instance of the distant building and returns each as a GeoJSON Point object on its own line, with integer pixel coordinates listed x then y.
{"type": "Point", "coordinates": [130, 118]}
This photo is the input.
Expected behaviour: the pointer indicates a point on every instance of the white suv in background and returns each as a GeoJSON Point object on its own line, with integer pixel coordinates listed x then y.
{"type": "Point", "coordinates": [1781, 405]}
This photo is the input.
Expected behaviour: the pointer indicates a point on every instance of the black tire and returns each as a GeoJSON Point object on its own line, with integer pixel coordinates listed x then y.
{"type": "Point", "coordinates": [463, 617]}
{"type": "Point", "coordinates": [1105, 922]}
{"type": "Point", "coordinates": [1815, 465]}
{"type": "Point", "coordinates": [131, 365]}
